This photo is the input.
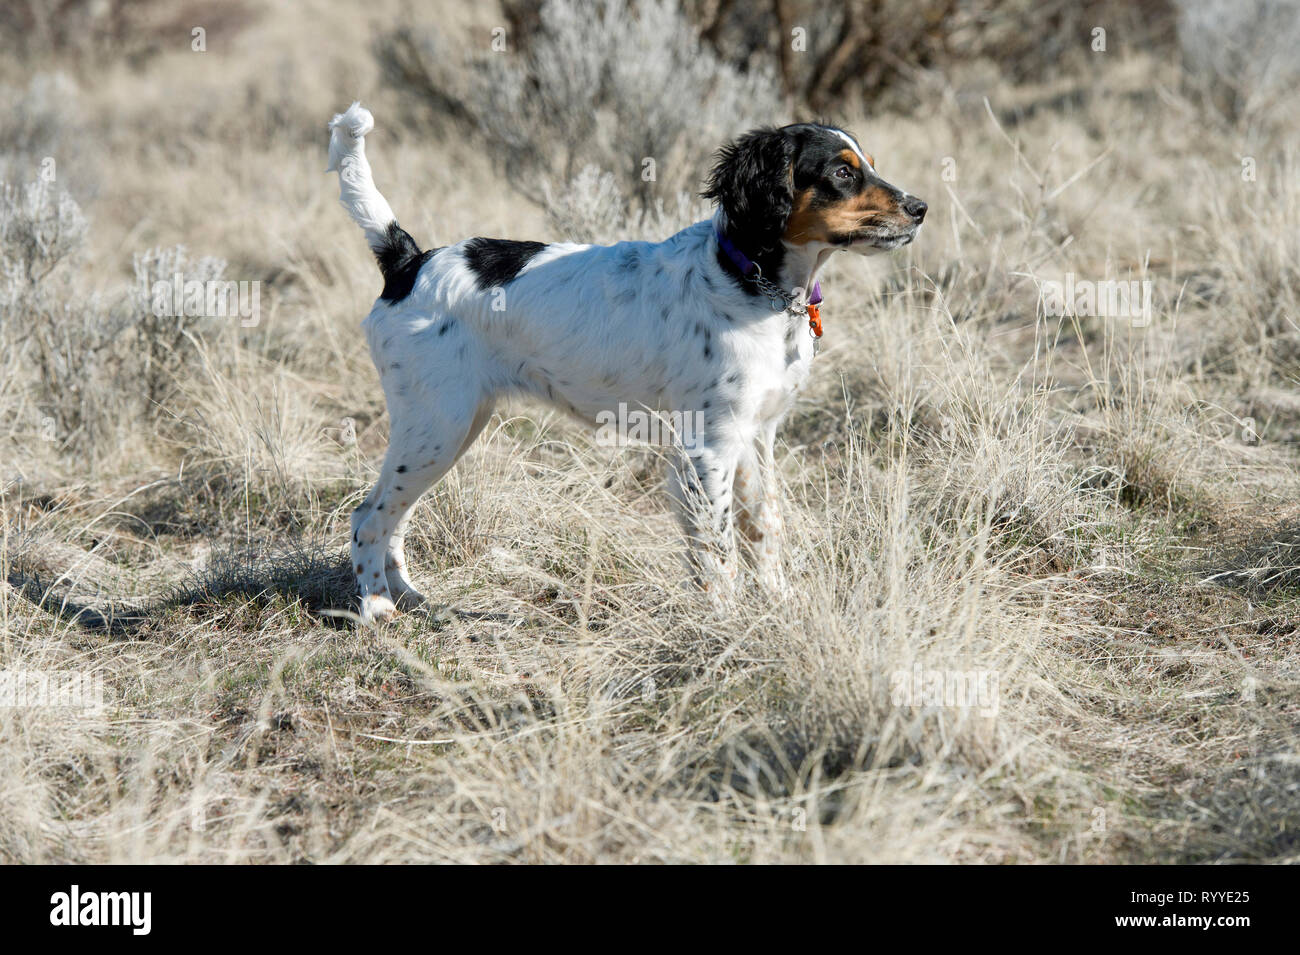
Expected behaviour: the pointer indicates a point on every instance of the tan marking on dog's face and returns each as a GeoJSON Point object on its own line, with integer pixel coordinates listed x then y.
{"type": "Point", "coordinates": [873, 205]}
{"type": "Point", "coordinates": [805, 224]}
{"type": "Point", "coordinates": [850, 157]}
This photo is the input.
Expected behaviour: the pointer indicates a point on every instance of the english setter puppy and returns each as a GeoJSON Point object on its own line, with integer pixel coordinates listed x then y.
{"type": "Point", "coordinates": [718, 321]}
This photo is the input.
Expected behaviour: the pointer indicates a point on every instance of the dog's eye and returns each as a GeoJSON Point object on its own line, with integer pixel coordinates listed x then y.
{"type": "Point", "coordinates": [843, 172]}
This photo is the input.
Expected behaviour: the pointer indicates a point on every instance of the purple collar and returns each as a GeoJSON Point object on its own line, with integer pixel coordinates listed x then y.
{"type": "Point", "coordinates": [749, 268]}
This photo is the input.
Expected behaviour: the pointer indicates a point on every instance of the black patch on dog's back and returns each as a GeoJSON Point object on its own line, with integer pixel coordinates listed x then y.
{"type": "Point", "coordinates": [400, 261]}
{"type": "Point", "coordinates": [497, 261]}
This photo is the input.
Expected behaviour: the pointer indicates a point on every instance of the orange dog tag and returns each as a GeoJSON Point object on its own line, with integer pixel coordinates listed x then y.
{"type": "Point", "coordinates": [815, 320]}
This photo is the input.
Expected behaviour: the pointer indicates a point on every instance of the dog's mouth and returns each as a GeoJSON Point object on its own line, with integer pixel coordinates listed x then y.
{"type": "Point", "coordinates": [884, 240]}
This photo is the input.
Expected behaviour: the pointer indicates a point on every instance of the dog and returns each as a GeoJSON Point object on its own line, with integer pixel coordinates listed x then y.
{"type": "Point", "coordinates": [719, 321]}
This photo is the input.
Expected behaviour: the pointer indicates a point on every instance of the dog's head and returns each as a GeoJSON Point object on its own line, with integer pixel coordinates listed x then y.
{"type": "Point", "coordinates": [810, 183]}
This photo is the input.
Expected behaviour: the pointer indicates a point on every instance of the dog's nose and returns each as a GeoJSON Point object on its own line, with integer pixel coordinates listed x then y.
{"type": "Point", "coordinates": [915, 208]}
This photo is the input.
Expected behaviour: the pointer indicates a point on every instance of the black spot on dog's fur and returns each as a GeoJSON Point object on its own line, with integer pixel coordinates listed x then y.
{"type": "Point", "coordinates": [496, 261]}
{"type": "Point", "coordinates": [629, 259]}
{"type": "Point", "coordinates": [400, 261]}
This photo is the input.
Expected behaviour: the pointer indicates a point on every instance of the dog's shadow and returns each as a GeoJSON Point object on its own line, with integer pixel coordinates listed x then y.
{"type": "Point", "coordinates": [114, 618]}
{"type": "Point", "coordinates": [316, 577]}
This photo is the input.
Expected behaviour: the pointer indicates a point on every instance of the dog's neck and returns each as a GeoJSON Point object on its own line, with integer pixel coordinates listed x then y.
{"type": "Point", "coordinates": [801, 264]}
{"type": "Point", "coordinates": [792, 267]}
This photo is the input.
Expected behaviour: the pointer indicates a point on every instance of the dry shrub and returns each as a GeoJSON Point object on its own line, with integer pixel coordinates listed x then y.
{"type": "Point", "coordinates": [1240, 55]}
{"type": "Point", "coordinates": [98, 362]}
{"type": "Point", "coordinates": [593, 83]}
{"type": "Point", "coordinates": [91, 33]}
{"type": "Point", "coordinates": [870, 52]}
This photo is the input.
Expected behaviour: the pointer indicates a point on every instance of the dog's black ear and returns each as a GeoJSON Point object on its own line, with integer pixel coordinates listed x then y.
{"type": "Point", "coordinates": [753, 181]}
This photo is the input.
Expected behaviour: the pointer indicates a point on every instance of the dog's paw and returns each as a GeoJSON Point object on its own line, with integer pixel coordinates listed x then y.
{"type": "Point", "coordinates": [774, 581]}
{"type": "Point", "coordinates": [376, 608]}
{"type": "Point", "coordinates": [720, 593]}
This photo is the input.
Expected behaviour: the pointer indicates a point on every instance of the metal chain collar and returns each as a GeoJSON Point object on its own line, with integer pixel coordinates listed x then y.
{"type": "Point", "coordinates": [777, 296]}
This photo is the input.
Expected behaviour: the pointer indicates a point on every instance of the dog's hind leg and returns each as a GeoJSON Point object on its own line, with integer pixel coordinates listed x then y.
{"type": "Point", "coordinates": [403, 591]}
{"type": "Point", "coordinates": [420, 452]}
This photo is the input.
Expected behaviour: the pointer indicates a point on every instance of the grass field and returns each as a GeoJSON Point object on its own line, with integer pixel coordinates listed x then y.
{"type": "Point", "coordinates": [1095, 519]}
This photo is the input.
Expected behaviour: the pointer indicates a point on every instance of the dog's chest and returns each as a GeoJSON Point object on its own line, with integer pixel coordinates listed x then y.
{"type": "Point", "coordinates": [782, 374]}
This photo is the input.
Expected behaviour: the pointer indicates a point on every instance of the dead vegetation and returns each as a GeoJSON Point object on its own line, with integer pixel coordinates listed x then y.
{"type": "Point", "coordinates": [1094, 513]}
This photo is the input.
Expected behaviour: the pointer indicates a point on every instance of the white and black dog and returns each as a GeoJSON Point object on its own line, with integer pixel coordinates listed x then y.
{"type": "Point", "coordinates": [716, 321]}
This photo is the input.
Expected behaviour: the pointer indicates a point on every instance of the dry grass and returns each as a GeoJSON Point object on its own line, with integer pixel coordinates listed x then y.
{"type": "Point", "coordinates": [1097, 516]}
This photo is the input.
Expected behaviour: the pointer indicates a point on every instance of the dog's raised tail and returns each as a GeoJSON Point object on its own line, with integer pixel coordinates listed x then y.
{"type": "Point", "coordinates": [393, 246]}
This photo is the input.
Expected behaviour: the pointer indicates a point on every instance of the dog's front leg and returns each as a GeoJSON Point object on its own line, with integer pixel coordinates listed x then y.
{"type": "Point", "coordinates": [758, 513]}
{"type": "Point", "coordinates": [700, 482]}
